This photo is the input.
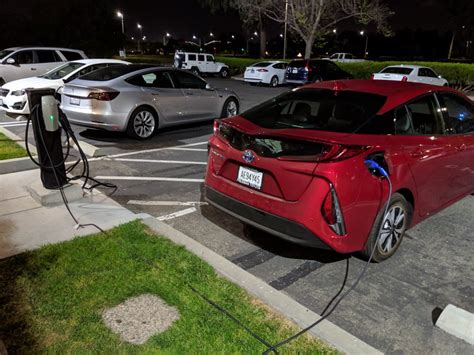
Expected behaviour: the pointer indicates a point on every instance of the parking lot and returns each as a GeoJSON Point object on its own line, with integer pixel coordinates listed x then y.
{"type": "Point", "coordinates": [392, 307]}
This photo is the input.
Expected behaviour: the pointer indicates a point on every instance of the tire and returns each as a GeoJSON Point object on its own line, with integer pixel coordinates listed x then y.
{"type": "Point", "coordinates": [224, 73]}
{"type": "Point", "coordinates": [383, 250]}
{"type": "Point", "coordinates": [230, 108]}
{"type": "Point", "coordinates": [142, 124]}
{"type": "Point", "coordinates": [274, 81]}
{"type": "Point", "coordinates": [195, 71]}
{"type": "Point", "coordinates": [2, 82]}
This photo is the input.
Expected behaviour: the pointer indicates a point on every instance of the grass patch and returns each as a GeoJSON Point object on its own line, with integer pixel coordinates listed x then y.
{"type": "Point", "coordinates": [9, 149]}
{"type": "Point", "coordinates": [52, 299]}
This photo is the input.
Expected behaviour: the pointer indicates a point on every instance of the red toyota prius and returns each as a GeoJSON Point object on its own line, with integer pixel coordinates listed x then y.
{"type": "Point", "coordinates": [295, 166]}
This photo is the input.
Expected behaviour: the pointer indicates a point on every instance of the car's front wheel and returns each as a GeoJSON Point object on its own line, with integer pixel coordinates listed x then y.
{"type": "Point", "coordinates": [274, 82]}
{"type": "Point", "coordinates": [142, 123]}
{"type": "Point", "coordinates": [389, 229]}
{"type": "Point", "coordinates": [230, 108]}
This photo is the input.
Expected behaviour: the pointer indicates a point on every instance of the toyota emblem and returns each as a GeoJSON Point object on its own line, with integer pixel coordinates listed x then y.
{"type": "Point", "coordinates": [248, 156]}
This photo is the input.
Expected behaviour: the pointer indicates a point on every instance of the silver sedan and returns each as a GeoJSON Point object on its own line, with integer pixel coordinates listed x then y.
{"type": "Point", "coordinates": [139, 98]}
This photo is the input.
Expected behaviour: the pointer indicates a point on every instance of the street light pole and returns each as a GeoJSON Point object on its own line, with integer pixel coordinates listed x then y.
{"type": "Point", "coordinates": [141, 35]}
{"type": "Point", "coordinates": [366, 42]}
{"type": "Point", "coordinates": [285, 31]}
{"type": "Point", "coordinates": [120, 15]}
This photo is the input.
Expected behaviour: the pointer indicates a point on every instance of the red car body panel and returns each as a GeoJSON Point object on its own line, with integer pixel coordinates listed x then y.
{"type": "Point", "coordinates": [432, 172]}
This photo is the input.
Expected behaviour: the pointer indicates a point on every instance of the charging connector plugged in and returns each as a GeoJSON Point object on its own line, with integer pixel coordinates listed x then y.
{"type": "Point", "coordinates": [375, 168]}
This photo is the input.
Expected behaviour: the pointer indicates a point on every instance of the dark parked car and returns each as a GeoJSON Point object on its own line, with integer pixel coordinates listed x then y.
{"type": "Point", "coordinates": [304, 71]}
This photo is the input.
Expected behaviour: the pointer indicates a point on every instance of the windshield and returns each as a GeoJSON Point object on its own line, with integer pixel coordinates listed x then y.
{"type": "Point", "coordinates": [397, 70]}
{"type": "Point", "coordinates": [62, 71]}
{"type": "Point", "coordinates": [317, 109]}
{"type": "Point", "coordinates": [298, 63]}
{"type": "Point", "coordinates": [4, 53]}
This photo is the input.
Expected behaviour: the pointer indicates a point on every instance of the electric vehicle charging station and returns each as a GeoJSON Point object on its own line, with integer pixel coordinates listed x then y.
{"type": "Point", "coordinates": [47, 132]}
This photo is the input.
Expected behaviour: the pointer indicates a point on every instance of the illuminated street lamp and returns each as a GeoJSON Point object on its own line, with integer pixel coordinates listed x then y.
{"type": "Point", "coordinates": [120, 15]}
{"type": "Point", "coordinates": [366, 43]}
{"type": "Point", "coordinates": [140, 27]}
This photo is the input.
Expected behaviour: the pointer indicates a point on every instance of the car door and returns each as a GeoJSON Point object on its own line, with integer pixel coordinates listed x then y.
{"type": "Point", "coordinates": [46, 60]}
{"type": "Point", "coordinates": [201, 103]}
{"type": "Point", "coordinates": [459, 118]}
{"type": "Point", "coordinates": [161, 92]}
{"type": "Point", "coordinates": [24, 66]}
{"type": "Point", "coordinates": [201, 63]}
{"type": "Point", "coordinates": [211, 66]}
{"type": "Point", "coordinates": [430, 154]}
{"type": "Point", "coordinates": [280, 70]}
{"type": "Point", "coordinates": [426, 76]}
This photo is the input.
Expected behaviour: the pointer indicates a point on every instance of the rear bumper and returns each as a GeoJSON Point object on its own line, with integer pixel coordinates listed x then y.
{"type": "Point", "coordinates": [253, 80]}
{"type": "Point", "coordinates": [87, 118]}
{"type": "Point", "coordinates": [278, 226]}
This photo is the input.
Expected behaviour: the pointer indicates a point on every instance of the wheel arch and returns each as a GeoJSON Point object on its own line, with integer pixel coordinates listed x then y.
{"type": "Point", "coordinates": [410, 197]}
{"type": "Point", "coordinates": [145, 105]}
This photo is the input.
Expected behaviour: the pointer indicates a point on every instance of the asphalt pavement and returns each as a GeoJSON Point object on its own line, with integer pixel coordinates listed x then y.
{"type": "Point", "coordinates": [392, 307]}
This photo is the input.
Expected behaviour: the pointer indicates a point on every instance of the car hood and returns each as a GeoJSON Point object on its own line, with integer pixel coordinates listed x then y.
{"type": "Point", "coordinates": [34, 82]}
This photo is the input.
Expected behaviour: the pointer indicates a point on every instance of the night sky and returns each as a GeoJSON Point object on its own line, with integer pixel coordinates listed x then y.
{"type": "Point", "coordinates": [183, 18]}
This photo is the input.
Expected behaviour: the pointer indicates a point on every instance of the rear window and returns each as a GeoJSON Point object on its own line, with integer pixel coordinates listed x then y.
{"type": "Point", "coordinates": [70, 55]}
{"type": "Point", "coordinates": [297, 64]}
{"type": "Point", "coordinates": [397, 70]}
{"type": "Point", "coordinates": [112, 72]}
{"type": "Point", "coordinates": [316, 109]}
{"type": "Point", "coordinates": [262, 64]}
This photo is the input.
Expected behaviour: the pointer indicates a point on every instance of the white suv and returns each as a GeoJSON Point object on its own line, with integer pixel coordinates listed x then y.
{"type": "Point", "coordinates": [200, 63]}
{"type": "Point", "coordinates": [23, 62]}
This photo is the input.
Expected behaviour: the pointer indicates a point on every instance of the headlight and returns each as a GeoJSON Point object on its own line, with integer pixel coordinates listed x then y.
{"type": "Point", "coordinates": [19, 92]}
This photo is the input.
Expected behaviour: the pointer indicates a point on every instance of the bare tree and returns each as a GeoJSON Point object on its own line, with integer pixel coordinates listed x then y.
{"type": "Point", "coordinates": [311, 19]}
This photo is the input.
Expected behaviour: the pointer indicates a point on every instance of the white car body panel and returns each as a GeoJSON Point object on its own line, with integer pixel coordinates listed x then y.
{"type": "Point", "coordinates": [264, 74]}
{"type": "Point", "coordinates": [414, 73]}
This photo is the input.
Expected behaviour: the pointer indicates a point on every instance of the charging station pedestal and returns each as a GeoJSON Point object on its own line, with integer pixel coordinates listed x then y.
{"type": "Point", "coordinates": [47, 134]}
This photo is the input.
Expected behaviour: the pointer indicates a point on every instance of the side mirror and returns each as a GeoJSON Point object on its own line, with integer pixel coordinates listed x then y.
{"type": "Point", "coordinates": [209, 87]}
{"type": "Point", "coordinates": [440, 77]}
{"type": "Point", "coordinates": [10, 61]}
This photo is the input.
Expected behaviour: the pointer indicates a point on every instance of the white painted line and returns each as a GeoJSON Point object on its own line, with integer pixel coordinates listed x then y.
{"type": "Point", "coordinates": [155, 150]}
{"type": "Point", "coordinates": [165, 203]}
{"type": "Point", "coordinates": [161, 161]}
{"type": "Point", "coordinates": [145, 178]}
{"type": "Point", "coordinates": [177, 214]}
{"type": "Point", "coordinates": [13, 124]}
{"type": "Point", "coordinates": [189, 149]}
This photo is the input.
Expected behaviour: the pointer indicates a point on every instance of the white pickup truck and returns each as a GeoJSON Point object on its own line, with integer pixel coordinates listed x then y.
{"type": "Point", "coordinates": [344, 58]}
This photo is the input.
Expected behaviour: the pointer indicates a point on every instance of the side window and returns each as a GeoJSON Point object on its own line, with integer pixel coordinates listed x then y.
{"type": "Point", "coordinates": [402, 120]}
{"type": "Point", "coordinates": [425, 116]}
{"type": "Point", "coordinates": [191, 57]}
{"type": "Point", "coordinates": [46, 56]}
{"type": "Point", "coordinates": [188, 81]}
{"type": "Point", "coordinates": [146, 79]}
{"type": "Point", "coordinates": [209, 58]}
{"type": "Point", "coordinates": [162, 80]}
{"type": "Point", "coordinates": [426, 72]}
{"type": "Point", "coordinates": [201, 57]}
{"type": "Point", "coordinates": [23, 57]}
{"type": "Point", "coordinates": [460, 114]}
{"type": "Point", "coordinates": [70, 55]}
{"type": "Point", "coordinates": [349, 56]}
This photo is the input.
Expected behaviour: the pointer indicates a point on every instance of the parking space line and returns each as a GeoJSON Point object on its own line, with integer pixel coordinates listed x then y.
{"type": "Point", "coordinates": [161, 161]}
{"type": "Point", "coordinates": [189, 149]}
{"type": "Point", "coordinates": [13, 124]}
{"type": "Point", "coordinates": [165, 203]}
{"type": "Point", "coordinates": [146, 178]}
{"type": "Point", "coordinates": [177, 214]}
{"type": "Point", "coordinates": [155, 150]}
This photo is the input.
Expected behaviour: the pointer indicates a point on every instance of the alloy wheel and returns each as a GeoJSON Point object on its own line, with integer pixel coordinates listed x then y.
{"type": "Point", "coordinates": [231, 109]}
{"type": "Point", "coordinates": [274, 82]}
{"type": "Point", "coordinates": [393, 227]}
{"type": "Point", "coordinates": [144, 124]}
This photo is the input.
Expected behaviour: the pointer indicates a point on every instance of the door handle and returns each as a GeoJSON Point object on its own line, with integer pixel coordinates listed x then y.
{"type": "Point", "coordinates": [155, 94]}
{"type": "Point", "coordinates": [189, 93]}
{"type": "Point", "coordinates": [32, 68]}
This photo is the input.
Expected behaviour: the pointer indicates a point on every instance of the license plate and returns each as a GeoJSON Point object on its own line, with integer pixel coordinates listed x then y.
{"type": "Point", "coordinates": [74, 101]}
{"type": "Point", "coordinates": [250, 177]}
{"type": "Point", "coordinates": [294, 71]}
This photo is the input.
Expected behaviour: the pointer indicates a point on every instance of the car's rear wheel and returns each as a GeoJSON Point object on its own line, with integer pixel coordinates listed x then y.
{"type": "Point", "coordinates": [388, 230]}
{"type": "Point", "coordinates": [142, 123]}
{"type": "Point", "coordinates": [274, 82]}
{"type": "Point", "coordinates": [224, 73]}
{"type": "Point", "coordinates": [230, 108]}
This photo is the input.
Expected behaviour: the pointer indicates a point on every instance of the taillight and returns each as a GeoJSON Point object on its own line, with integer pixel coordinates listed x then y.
{"type": "Point", "coordinates": [103, 95]}
{"type": "Point", "coordinates": [405, 78]}
{"type": "Point", "coordinates": [332, 213]}
{"type": "Point", "coordinates": [262, 70]}
{"type": "Point", "coordinates": [216, 125]}
{"type": "Point", "coordinates": [308, 67]}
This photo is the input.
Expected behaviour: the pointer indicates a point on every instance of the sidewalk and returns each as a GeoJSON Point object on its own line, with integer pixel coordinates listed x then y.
{"type": "Point", "coordinates": [25, 224]}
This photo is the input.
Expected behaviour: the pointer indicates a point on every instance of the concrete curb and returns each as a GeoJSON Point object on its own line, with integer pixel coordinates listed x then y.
{"type": "Point", "coordinates": [88, 149]}
{"type": "Point", "coordinates": [458, 322]}
{"type": "Point", "coordinates": [279, 301]}
{"type": "Point", "coordinates": [18, 140]}
{"type": "Point", "coordinates": [238, 78]}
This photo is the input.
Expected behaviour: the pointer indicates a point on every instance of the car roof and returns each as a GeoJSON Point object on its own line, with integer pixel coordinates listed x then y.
{"type": "Point", "coordinates": [99, 61]}
{"type": "Point", "coordinates": [397, 92]}
{"type": "Point", "coordinates": [39, 47]}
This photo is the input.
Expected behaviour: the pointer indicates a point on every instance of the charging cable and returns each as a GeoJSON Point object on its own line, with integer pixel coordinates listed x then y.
{"type": "Point", "coordinates": [378, 170]}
